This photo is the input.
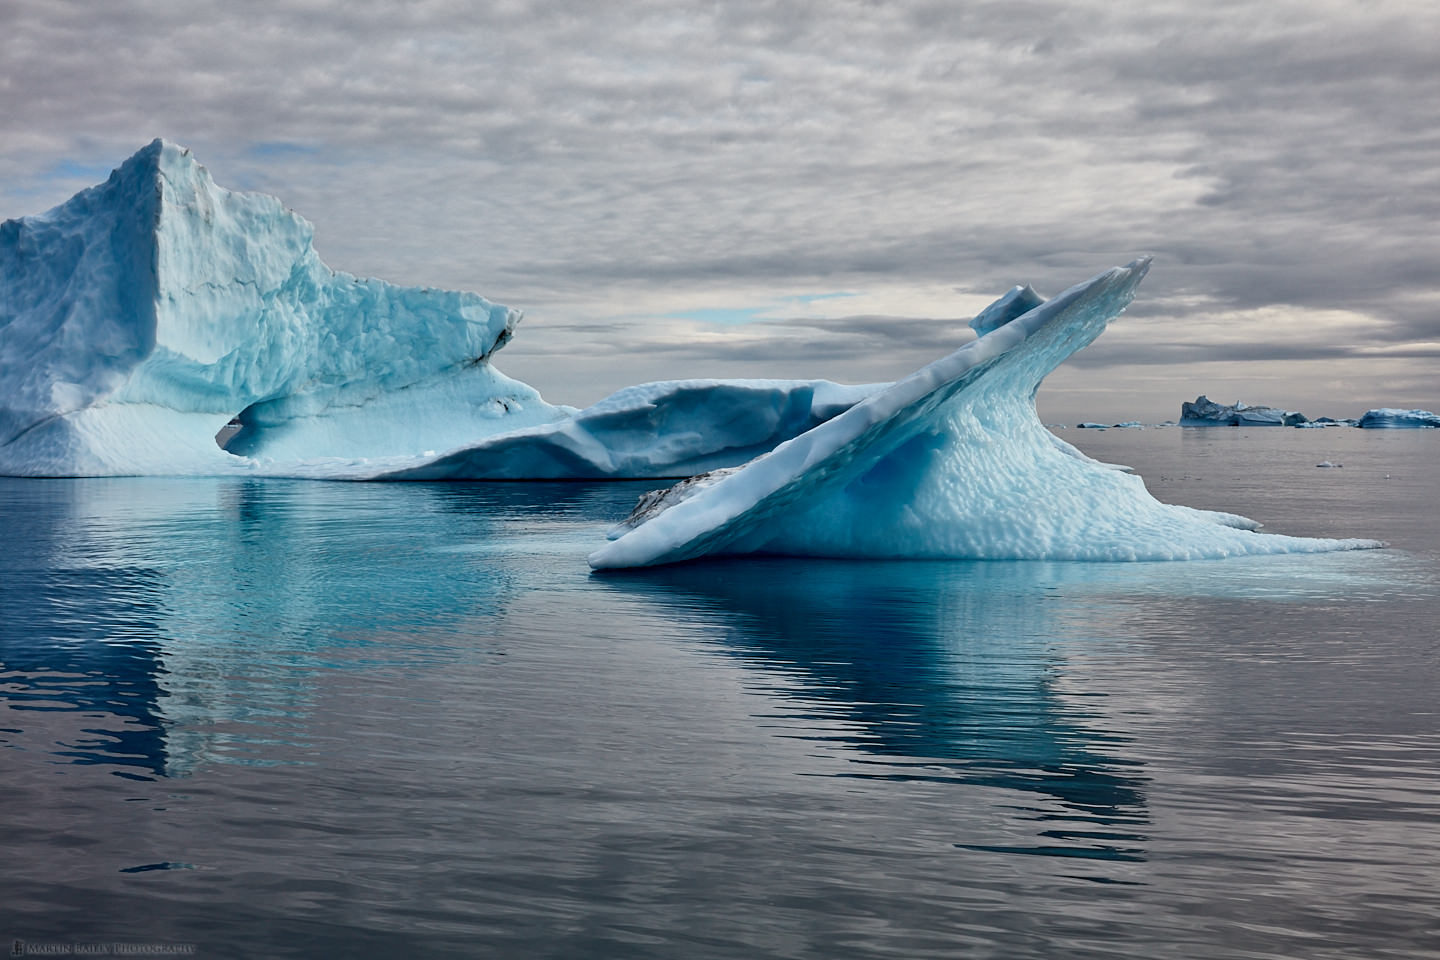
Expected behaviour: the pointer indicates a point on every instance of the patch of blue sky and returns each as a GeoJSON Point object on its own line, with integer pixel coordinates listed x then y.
{"type": "Point", "coordinates": [725, 316]}
{"type": "Point", "coordinates": [56, 181]}
{"type": "Point", "coordinates": [736, 316]}
{"type": "Point", "coordinates": [271, 149]}
{"type": "Point", "coordinates": [68, 169]}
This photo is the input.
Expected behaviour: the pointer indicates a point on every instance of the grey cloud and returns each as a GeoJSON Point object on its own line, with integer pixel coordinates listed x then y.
{"type": "Point", "coordinates": [566, 156]}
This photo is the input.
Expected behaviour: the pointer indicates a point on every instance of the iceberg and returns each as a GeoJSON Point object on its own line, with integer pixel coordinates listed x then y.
{"type": "Point", "coordinates": [950, 462]}
{"type": "Point", "coordinates": [1392, 418]}
{"type": "Point", "coordinates": [1204, 412]}
{"type": "Point", "coordinates": [140, 316]}
{"type": "Point", "coordinates": [676, 428]}
{"type": "Point", "coordinates": [158, 324]}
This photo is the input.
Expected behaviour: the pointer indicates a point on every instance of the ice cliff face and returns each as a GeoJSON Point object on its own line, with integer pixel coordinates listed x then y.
{"type": "Point", "coordinates": [141, 315]}
{"type": "Point", "coordinates": [951, 462]}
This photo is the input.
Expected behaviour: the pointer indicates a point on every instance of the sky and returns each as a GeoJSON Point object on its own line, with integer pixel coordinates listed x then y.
{"type": "Point", "coordinates": [810, 188]}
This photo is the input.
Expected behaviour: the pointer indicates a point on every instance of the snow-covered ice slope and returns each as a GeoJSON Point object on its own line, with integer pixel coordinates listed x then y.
{"type": "Point", "coordinates": [675, 428]}
{"type": "Point", "coordinates": [141, 315]}
{"type": "Point", "coordinates": [951, 462]}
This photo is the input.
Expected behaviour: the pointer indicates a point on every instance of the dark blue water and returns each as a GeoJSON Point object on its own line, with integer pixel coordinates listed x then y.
{"type": "Point", "coordinates": [274, 718]}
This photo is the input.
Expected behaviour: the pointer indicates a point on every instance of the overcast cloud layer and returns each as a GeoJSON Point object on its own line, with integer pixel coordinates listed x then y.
{"type": "Point", "coordinates": [672, 191]}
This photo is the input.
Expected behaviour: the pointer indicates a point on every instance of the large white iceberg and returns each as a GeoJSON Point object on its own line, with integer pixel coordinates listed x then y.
{"type": "Point", "coordinates": [951, 462]}
{"type": "Point", "coordinates": [140, 316]}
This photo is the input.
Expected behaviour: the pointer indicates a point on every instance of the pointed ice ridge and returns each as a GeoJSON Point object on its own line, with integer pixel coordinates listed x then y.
{"type": "Point", "coordinates": [145, 312]}
{"type": "Point", "coordinates": [951, 462]}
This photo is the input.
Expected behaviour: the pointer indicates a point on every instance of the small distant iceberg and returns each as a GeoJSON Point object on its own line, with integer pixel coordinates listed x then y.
{"type": "Point", "coordinates": [950, 462]}
{"type": "Point", "coordinates": [1390, 418]}
{"type": "Point", "coordinates": [1204, 412]}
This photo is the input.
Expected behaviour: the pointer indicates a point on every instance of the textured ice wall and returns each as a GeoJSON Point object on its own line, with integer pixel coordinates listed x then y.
{"type": "Point", "coordinates": [142, 314]}
{"type": "Point", "coordinates": [952, 462]}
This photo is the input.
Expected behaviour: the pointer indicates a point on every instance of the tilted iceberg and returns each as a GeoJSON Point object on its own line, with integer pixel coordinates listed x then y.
{"type": "Point", "coordinates": [951, 462]}
{"type": "Point", "coordinates": [140, 316]}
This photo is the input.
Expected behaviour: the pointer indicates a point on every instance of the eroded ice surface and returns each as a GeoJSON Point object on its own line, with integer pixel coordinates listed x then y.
{"type": "Point", "coordinates": [675, 428]}
{"type": "Point", "coordinates": [951, 462]}
{"type": "Point", "coordinates": [141, 315]}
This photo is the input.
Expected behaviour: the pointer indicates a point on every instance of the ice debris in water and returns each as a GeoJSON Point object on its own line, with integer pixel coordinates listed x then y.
{"type": "Point", "coordinates": [951, 462]}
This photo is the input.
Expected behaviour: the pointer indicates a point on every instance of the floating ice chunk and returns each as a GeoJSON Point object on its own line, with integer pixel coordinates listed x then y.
{"type": "Point", "coordinates": [951, 462]}
{"type": "Point", "coordinates": [140, 316]}
{"type": "Point", "coordinates": [675, 428]}
{"type": "Point", "coordinates": [1391, 418]}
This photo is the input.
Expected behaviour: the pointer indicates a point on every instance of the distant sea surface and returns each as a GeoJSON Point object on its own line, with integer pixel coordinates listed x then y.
{"type": "Point", "coordinates": [299, 719]}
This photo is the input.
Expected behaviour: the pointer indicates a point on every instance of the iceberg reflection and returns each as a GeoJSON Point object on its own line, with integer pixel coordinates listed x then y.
{"type": "Point", "coordinates": [160, 624]}
{"type": "Point", "coordinates": [938, 672]}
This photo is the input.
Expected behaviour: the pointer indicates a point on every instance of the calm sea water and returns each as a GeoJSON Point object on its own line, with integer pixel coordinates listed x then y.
{"type": "Point", "coordinates": [273, 718]}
